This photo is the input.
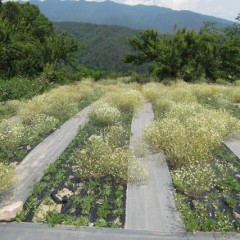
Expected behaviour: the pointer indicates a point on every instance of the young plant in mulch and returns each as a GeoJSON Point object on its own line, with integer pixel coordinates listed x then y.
{"type": "Point", "coordinates": [210, 201]}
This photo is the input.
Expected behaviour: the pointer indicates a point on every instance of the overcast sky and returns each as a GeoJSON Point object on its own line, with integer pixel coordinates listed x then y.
{"type": "Point", "coordinates": [227, 9]}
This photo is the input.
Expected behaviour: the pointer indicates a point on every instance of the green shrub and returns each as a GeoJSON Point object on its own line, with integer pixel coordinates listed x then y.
{"type": "Point", "coordinates": [162, 106]}
{"type": "Point", "coordinates": [182, 111]}
{"type": "Point", "coordinates": [153, 91]}
{"type": "Point", "coordinates": [39, 125]}
{"type": "Point", "coordinates": [168, 135]}
{"type": "Point", "coordinates": [206, 90]}
{"type": "Point", "coordinates": [21, 88]}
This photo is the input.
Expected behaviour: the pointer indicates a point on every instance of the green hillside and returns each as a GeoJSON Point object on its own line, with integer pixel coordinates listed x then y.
{"type": "Point", "coordinates": [104, 46]}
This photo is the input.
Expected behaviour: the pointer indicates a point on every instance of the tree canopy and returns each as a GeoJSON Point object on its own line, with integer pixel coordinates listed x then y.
{"type": "Point", "coordinates": [28, 41]}
{"type": "Point", "coordinates": [210, 53]}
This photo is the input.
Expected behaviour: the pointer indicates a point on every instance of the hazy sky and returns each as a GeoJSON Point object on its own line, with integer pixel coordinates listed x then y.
{"type": "Point", "coordinates": [227, 9]}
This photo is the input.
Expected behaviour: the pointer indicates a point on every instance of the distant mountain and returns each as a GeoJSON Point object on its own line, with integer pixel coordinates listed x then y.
{"type": "Point", "coordinates": [112, 13]}
{"type": "Point", "coordinates": [105, 45]}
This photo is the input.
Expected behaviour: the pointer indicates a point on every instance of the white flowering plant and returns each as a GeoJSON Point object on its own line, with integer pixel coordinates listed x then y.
{"type": "Point", "coordinates": [100, 158]}
{"type": "Point", "coordinates": [6, 176]}
{"type": "Point", "coordinates": [103, 114]}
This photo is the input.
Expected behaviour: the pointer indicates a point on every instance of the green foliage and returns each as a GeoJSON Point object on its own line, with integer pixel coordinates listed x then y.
{"type": "Point", "coordinates": [28, 42]}
{"type": "Point", "coordinates": [104, 46]}
{"type": "Point", "coordinates": [54, 218]}
{"type": "Point", "coordinates": [187, 54]}
{"type": "Point", "coordinates": [19, 88]}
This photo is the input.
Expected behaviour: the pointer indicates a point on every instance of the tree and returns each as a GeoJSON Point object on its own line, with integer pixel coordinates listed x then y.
{"type": "Point", "coordinates": [28, 41]}
{"type": "Point", "coordinates": [238, 17]}
{"type": "Point", "coordinates": [61, 50]}
{"type": "Point", "coordinates": [211, 53]}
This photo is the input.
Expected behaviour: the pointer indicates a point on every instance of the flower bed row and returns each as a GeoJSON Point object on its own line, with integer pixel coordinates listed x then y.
{"type": "Point", "coordinates": [190, 128]}
{"type": "Point", "coordinates": [23, 124]}
{"type": "Point", "coordinates": [86, 186]}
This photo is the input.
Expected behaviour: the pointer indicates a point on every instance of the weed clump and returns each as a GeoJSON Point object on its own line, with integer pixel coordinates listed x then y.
{"type": "Point", "coordinates": [7, 176]}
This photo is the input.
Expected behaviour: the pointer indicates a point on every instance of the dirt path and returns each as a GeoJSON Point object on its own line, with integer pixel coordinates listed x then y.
{"type": "Point", "coordinates": [31, 169]}
{"type": "Point", "coordinates": [151, 206]}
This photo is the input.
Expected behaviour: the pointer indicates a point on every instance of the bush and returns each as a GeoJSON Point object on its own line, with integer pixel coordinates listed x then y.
{"type": "Point", "coordinates": [152, 91]}
{"type": "Point", "coordinates": [9, 108]}
{"type": "Point", "coordinates": [194, 179]}
{"type": "Point", "coordinates": [38, 117]}
{"type": "Point", "coordinates": [61, 103]}
{"type": "Point", "coordinates": [99, 159]}
{"type": "Point", "coordinates": [167, 135]}
{"type": "Point", "coordinates": [12, 132]}
{"type": "Point", "coordinates": [182, 111]}
{"type": "Point", "coordinates": [21, 88]}
{"type": "Point", "coordinates": [233, 95]}
{"type": "Point", "coordinates": [204, 91]}
{"type": "Point", "coordinates": [180, 93]}
{"type": "Point", "coordinates": [126, 100]}
{"type": "Point", "coordinates": [7, 177]}
{"type": "Point", "coordinates": [237, 83]}
{"type": "Point", "coordinates": [191, 139]}
{"type": "Point", "coordinates": [162, 106]}
{"type": "Point", "coordinates": [39, 125]}
{"type": "Point", "coordinates": [103, 114]}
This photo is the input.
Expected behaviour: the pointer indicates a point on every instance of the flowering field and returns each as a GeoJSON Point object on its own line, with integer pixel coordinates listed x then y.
{"type": "Point", "coordinates": [86, 186]}
{"type": "Point", "coordinates": [23, 124]}
{"type": "Point", "coordinates": [191, 123]}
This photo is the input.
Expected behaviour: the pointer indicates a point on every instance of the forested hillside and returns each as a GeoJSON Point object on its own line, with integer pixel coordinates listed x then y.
{"type": "Point", "coordinates": [104, 46]}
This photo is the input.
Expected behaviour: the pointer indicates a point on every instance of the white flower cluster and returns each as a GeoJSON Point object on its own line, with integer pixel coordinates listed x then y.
{"type": "Point", "coordinates": [194, 179]}
{"type": "Point", "coordinates": [99, 158]}
{"type": "Point", "coordinates": [12, 132]}
{"type": "Point", "coordinates": [103, 114]}
{"type": "Point", "coordinates": [39, 125]}
{"type": "Point", "coordinates": [125, 100]}
{"type": "Point", "coordinates": [188, 132]}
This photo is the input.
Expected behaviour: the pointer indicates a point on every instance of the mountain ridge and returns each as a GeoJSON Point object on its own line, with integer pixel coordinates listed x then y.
{"type": "Point", "coordinates": [137, 17]}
